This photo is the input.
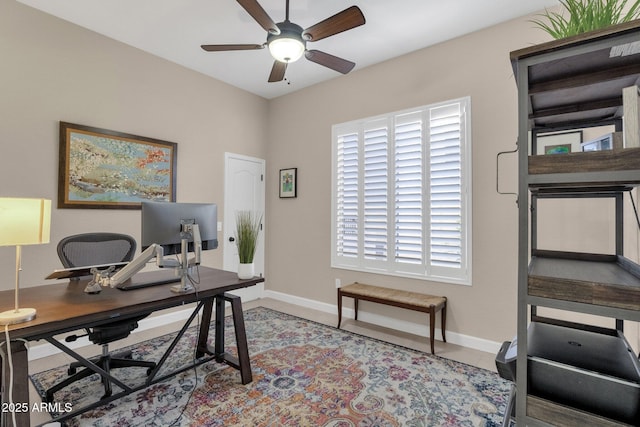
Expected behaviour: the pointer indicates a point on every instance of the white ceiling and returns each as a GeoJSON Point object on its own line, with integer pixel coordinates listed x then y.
{"type": "Point", "coordinates": [175, 29]}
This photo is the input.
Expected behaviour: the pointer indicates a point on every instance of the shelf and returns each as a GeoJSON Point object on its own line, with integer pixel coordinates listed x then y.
{"type": "Point", "coordinates": [582, 78]}
{"type": "Point", "coordinates": [577, 307]}
{"type": "Point", "coordinates": [560, 415]}
{"type": "Point", "coordinates": [586, 179]}
{"type": "Point", "coordinates": [590, 169]}
{"type": "Point", "coordinates": [602, 280]}
{"type": "Point", "coordinates": [569, 191]}
{"type": "Point", "coordinates": [574, 41]}
{"type": "Point", "coordinates": [626, 159]}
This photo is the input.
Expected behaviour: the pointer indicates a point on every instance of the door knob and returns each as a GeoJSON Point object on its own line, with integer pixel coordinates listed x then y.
{"type": "Point", "coordinates": [231, 239]}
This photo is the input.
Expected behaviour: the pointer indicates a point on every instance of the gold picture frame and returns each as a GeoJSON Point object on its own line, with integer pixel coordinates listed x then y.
{"type": "Point", "coordinates": [105, 169]}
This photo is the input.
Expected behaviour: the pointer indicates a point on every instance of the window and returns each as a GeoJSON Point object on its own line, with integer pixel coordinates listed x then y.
{"type": "Point", "coordinates": [402, 193]}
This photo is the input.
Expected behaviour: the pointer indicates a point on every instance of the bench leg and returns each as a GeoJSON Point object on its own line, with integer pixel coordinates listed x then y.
{"type": "Point", "coordinates": [355, 307]}
{"type": "Point", "coordinates": [432, 327]}
{"type": "Point", "coordinates": [444, 320]}
{"type": "Point", "coordinates": [339, 308]}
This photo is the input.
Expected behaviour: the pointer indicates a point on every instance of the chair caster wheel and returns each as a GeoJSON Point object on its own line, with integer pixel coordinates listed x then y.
{"type": "Point", "coordinates": [71, 371]}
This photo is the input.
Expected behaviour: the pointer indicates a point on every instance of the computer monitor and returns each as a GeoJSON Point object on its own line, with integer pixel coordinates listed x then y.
{"type": "Point", "coordinates": [170, 229]}
{"type": "Point", "coordinates": [162, 224]}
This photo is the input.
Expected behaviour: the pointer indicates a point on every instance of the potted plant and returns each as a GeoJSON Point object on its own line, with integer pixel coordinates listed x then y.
{"type": "Point", "coordinates": [586, 15]}
{"type": "Point", "coordinates": [247, 231]}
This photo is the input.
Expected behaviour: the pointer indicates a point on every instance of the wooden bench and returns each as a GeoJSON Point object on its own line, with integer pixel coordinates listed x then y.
{"type": "Point", "coordinates": [404, 299]}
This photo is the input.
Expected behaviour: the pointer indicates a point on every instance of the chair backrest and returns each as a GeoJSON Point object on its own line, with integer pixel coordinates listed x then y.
{"type": "Point", "coordinates": [86, 249]}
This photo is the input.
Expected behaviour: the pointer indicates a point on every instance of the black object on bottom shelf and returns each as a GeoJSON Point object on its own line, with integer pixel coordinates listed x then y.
{"type": "Point", "coordinates": [587, 368]}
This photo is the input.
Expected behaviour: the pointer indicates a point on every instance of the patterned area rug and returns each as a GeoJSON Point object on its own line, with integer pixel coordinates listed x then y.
{"type": "Point", "coordinates": [304, 374]}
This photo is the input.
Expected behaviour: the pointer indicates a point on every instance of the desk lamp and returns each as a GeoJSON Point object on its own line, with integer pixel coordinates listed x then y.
{"type": "Point", "coordinates": [22, 222]}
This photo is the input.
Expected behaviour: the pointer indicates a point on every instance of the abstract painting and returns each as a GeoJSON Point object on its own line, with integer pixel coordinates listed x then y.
{"type": "Point", "coordinates": [105, 169]}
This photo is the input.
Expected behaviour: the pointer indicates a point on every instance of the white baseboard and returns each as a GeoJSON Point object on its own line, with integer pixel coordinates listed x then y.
{"type": "Point", "coordinates": [44, 350]}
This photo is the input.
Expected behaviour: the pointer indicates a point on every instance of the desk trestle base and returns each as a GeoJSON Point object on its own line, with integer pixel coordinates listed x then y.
{"type": "Point", "coordinates": [204, 353]}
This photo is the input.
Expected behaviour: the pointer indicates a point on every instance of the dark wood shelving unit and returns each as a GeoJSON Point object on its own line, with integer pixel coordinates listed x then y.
{"type": "Point", "coordinates": [566, 85]}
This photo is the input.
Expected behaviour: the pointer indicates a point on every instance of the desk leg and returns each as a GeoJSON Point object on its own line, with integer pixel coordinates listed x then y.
{"type": "Point", "coordinates": [20, 386]}
{"type": "Point", "coordinates": [219, 340]}
{"type": "Point", "coordinates": [241, 338]}
{"type": "Point", "coordinates": [203, 337]}
{"type": "Point", "coordinates": [242, 362]}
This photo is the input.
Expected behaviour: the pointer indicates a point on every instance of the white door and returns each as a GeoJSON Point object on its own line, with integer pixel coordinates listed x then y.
{"type": "Point", "coordinates": [243, 190]}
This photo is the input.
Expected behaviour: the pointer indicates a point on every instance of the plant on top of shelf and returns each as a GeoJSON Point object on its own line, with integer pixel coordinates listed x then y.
{"type": "Point", "coordinates": [586, 15]}
{"type": "Point", "coordinates": [247, 230]}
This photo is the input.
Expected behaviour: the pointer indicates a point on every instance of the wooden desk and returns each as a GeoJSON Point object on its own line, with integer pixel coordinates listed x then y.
{"type": "Point", "coordinates": [65, 307]}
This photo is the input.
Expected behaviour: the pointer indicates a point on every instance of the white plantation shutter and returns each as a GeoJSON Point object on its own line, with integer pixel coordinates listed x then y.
{"type": "Point", "coordinates": [402, 196]}
{"type": "Point", "coordinates": [375, 187]}
{"type": "Point", "coordinates": [408, 198]}
{"type": "Point", "coordinates": [445, 247]}
{"type": "Point", "coordinates": [347, 197]}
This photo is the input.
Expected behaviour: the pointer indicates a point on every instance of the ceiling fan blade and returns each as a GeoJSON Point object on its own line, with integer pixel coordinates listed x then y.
{"type": "Point", "coordinates": [225, 47]}
{"type": "Point", "coordinates": [338, 64]}
{"type": "Point", "coordinates": [277, 71]}
{"type": "Point", "coordinates": [342, 21]}
{"type": "Point", "coordinates": [256, 11]}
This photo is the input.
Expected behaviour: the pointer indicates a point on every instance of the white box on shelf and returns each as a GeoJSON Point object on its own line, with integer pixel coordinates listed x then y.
{"type": "Point", "coordinates": [609, 141]}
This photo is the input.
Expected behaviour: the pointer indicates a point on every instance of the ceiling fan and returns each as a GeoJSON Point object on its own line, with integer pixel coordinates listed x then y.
{"type": "Point", "coordinates": [287, 41]}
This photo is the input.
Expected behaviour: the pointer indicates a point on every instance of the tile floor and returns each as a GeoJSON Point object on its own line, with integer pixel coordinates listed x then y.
{"type": "Point", "coordinates": [449, 351]}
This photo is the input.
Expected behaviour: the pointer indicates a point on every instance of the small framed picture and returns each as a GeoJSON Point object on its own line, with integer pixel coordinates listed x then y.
{"type": "Point", "coordinates": [557, 149]}
{"type": "Point", "coordinates": [288, 183]}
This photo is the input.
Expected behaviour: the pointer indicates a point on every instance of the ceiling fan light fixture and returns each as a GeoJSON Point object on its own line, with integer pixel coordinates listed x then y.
{"type": "Point", "coordinates": [287, 41]}
{"type": "Point", "coordinates": [286, 49]}
{"type": "Point", "coordinates": [288, 46]}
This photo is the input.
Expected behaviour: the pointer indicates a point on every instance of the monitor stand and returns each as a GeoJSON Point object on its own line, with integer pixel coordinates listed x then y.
{"type": "Point", "coordinates": [184, 286]}
{"type": "Point", "coordinates": [183, 270]}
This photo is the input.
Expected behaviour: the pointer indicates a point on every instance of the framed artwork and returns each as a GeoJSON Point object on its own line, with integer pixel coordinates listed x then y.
{"type": "Point", "coordinates": [557, 149]}
{"type": "Point", "coordinates": [559, 142]}
{"type": "Point", "coordinates": [105, 169]}
{"type": "Point", "coordinates": [288, 183]}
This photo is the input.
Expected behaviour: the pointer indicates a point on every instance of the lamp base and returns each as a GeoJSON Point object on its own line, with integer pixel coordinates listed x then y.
{"type": "Point", "coordinates": [11, 317]}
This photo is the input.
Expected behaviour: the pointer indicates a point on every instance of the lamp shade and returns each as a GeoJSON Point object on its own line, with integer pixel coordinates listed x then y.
{"type": "Point", "coordinates": [24, 221]}
{"type": "Point", "coordinates": [286, 49]}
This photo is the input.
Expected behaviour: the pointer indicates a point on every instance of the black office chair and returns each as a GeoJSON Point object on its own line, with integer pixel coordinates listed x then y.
{"type": "Point", "coordinates": [96, 249]}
